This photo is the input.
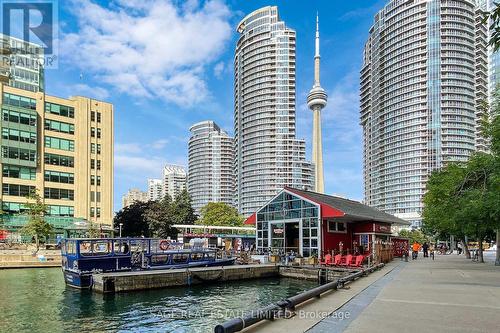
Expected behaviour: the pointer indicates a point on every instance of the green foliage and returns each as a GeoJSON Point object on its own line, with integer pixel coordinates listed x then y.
{"type": "Point", "coordinates": [414, 236]}
{"type": "Point", "coordinates": [221, 214]}
{"type": "Point", "coordinates": [494, 26]}
{"type": "Point", "coordinates": [36, 227]}
{"type": "Point", "coordinates": [155, 218]}
{"type": "Point", "coordinates": [93, 230]}
{"type": "Point", "coordinates": [133, 220]}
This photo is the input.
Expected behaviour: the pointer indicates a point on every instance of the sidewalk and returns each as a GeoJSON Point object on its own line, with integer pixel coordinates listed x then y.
{"type": "Point", "coordinates": [449, 294]}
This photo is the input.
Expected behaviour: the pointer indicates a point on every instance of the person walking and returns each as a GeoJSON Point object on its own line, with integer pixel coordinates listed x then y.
{"type": "Point", "coordinates": [415, 247]}
{"type": "Point", "coordinates": [459, 248]}
{"type": "Point", "coordinates": [425, 247]}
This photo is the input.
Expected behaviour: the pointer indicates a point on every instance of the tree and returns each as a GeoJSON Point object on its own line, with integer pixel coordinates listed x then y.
{"type": "Point", "coordinates": [493, 19]}
{"type": "Point", "coordinates": [221, 214]}
{"type": "Point", "coordinates": [160, 217]}
{"type": "Point", "coordinates": [36, 227]}
{"type": "Point", "coordinates": [92, 230]}
{"type": "Point", "coordinates": [182, 209]}
{"type": "Point", "coordinates": [414, 236]}
{"type": "Point", "coordinates": [133, 219]}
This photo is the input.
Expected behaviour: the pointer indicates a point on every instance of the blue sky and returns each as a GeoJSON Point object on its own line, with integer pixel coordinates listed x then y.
{"type": "Point", "coordinates": [168, 64]}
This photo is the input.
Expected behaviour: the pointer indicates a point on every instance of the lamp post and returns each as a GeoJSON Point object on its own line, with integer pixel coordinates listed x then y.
{"type": "Point", "coordinates": [121, 224]}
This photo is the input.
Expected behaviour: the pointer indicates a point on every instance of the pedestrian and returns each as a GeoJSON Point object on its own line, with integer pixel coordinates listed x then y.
{"type": "Point", "coordinates": [459, 248]}
{"type": "Point", "coordinates": [415, 247]}
{"type": "Point", "coordinates": [431, 251]}
{"type": "Point", "coordinates": [425, 247]}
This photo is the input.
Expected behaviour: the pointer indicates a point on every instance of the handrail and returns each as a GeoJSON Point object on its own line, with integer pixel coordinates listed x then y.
{"type": "Point", "coordinates": [270, 311]}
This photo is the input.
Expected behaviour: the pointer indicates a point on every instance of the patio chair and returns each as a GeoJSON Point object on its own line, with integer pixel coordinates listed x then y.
{"type": "Point", "coordinates": [337, 260]}
{"type": "Point", "coordinates": [327, 260]}
{"type": "Point", "coordinates": [348, 260]}
{"type": "Point", "coordinates": [358, 260]}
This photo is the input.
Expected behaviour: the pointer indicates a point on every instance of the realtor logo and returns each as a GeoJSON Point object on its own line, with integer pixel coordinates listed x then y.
{"type": "Point", "coordinates": [33, 21]}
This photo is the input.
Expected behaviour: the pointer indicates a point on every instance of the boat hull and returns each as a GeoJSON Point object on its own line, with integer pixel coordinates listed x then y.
{"type": "Point", "coordinates": [77, 280]}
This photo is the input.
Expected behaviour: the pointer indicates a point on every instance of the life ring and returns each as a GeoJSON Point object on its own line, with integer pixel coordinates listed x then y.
{"type": "Point", "coordinates": [164, 244]}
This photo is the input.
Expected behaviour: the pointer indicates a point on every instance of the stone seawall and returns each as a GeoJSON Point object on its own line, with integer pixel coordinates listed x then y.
{"type": "Point", "coordinates": [140, 280]}
{"type": "Point", "coordinates": [22, 259]}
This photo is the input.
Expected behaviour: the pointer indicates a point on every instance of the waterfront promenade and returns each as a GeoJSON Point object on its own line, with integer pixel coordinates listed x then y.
{"type": "Point", "coordinates": [449, 294]}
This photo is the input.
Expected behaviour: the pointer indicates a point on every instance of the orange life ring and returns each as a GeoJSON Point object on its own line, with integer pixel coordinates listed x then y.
{"type": "Point", "coordinates": [164, 244]}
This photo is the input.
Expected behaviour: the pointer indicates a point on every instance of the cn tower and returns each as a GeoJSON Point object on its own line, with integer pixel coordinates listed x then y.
{"type": "Point", "coordinates": [316, 101]}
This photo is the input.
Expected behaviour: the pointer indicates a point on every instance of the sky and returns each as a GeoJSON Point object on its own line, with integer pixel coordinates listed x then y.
{"type": "Point", "coordinates": [167, 64]}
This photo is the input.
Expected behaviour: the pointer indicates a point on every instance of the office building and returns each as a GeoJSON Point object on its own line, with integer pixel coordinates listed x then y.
{"type": "Point", "coordinates": [174, 180]}
{"type": "Point", "coordinates": [21, 65]}
{"type": "Point", "coordinates": [268, 155]}
{"type": "Point", "coordinates": [134, 195]}
{"type": "Point", "coordinates": [210, 165]}
{"type": "Point", "coordinates": [424, 73]}
{"type": "Point", "coordinates": [60, 148]}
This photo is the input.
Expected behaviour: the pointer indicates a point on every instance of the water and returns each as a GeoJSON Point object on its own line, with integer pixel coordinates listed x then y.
{"type": "Point", "coordinates": [36, 300]}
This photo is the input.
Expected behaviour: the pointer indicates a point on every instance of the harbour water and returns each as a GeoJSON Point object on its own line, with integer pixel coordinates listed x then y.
{"type": "Point", "coordinates": [36, 300]}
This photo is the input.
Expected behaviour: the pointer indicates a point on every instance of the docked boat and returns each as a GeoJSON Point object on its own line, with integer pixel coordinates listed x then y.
{"type": "Point", "coordinates": [82, 257]}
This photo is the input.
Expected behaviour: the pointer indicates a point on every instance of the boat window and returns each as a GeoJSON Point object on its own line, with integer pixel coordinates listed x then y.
{"type": "Point", "coordinates": [161, 259]}
{"type": "Point", "coordinates": [210, 255]}
{"type": "Point", "coordinates": [180, 258]}
{"type": "Point", "coordinates": [140, 245]}
{"type": "Point", "coordinates": [85, 248]}
{"type": "Point", "coordinates": [63, 247]}
{"type": "Point", "coordinates": [195, 256]}
{"type": "Point", "coordinates": [121, 247]}
{"type": "Point", "coordinates": [101, 248]}
{"type": "Point", "coordinates": [70, 248]}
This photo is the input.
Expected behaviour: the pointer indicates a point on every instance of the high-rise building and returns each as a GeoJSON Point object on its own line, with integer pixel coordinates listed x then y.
{"type": "Point", "coordinates": [60, 148]}
{"type": "Point", "coordinates": [174, 180]}
{"type": "Point", "coordinates": [210, 169]}
{"type": "Point", "coordinates": [316, 100]}
{"type": "Point", "coordinates": [268, 156]}
{"type": "Point", "coordinates": [155, 189]}
{"type": "Point", "coordinates": [21, 65]}
{"type": "Point", "coordinates": [423, 75]}
{"type": "Point", "coordinates": [134, 195]}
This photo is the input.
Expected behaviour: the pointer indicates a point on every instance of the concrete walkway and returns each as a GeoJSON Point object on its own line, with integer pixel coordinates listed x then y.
{"type": "Point", "coordinates": [449, 294]}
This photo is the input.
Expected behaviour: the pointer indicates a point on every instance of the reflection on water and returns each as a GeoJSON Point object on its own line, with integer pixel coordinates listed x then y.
{"type": "Point", "coordinates": [36, 300]}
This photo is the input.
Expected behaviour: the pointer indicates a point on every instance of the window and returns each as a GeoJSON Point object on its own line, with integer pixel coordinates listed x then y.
{"type": "Point", "coordinates": [338, 227]}
{"type": "Point", "coordinates": [60, 160]}
{"type": "Point", "coordinates": [92, 148]}
{"type": "Point", "coordinates": [61, 110]}
{"type": "Point", "coordinates": [20, 136]}
{"type": "Point", "coordinates": [98, 117]}
{"type": "Point", "coordinates": [92, 132]}
{"type": "Point", "coordinates": [56, 210]}
{"type": "Point", "coordinates": [19, 101]}
{"type": "Point", "coordinates": [13, 207]}
{"type": "Point", "coordinates": [92, 196]}
{"type": "Point", "coordinates": [59, 177]}
{"type": "Point", "coordinates": [98, 196]}
{"type": "Point", "coordinates": [98, 148]}
{"type": "Point", "coordinates": [17, 190]}
{"type": "Point", "coordinates": [18, 117]}
{"type": "Point", "coordinates": [98, 164]}
{"type": "Point", "coordinates": [58, 143]}
{"type": "Point", "coordinates": [92, 212]}
{"type": "Point", "coordinates": [98, 180]}
{"type": "Point", "coordinates": [57, 126]}
{"type": "Point", "coordinates": [98, 212]}
{"type": "Point", "coordinates": [92, 180]}
{"type": "Point", "coordinates": [58, 193]}
{"type": "Point", "coordinates": [18, 172]}
{"type": "Point", "coordinates": [92, 164]}
{"type": "Point", "coordinates": [18, 153]}
{"type": "Point", "coordinates": [92, 116]}
{"type": "Point", "coordinates": [98, 133]}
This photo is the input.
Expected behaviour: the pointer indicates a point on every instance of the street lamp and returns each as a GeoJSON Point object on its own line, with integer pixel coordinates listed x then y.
{"type": "Point", "coordinates": [121, 224]}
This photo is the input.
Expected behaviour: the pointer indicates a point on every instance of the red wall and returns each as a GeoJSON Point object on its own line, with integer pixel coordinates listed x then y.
{"type": "Point", "coordinates": [331, 240]}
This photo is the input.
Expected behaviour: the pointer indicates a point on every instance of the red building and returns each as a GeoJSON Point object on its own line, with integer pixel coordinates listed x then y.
{"type": "Point", "coordinates": [311, 223]}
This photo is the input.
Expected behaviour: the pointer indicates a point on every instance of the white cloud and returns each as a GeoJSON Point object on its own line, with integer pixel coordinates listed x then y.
{"type": "Point", "coordinates": [159, 144]}
{"type": "Point", "coordinates": [149, 48]}
{"type": "Point", "coordinates": [87, 91]}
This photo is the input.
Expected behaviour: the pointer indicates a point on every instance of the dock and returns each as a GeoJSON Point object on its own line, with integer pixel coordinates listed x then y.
{"type": "Point", "coordinates": [154, 279]}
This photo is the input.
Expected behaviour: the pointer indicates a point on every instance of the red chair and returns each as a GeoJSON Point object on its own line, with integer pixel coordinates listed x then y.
{"type": "Point", "coordinates": [327, 261]}
{"type": "Point", "coordinates": [358, 260]}
{"type": "Point", "coordinates": [337, 260]}
{"type": "Point", "coordinates": [348, 260]}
